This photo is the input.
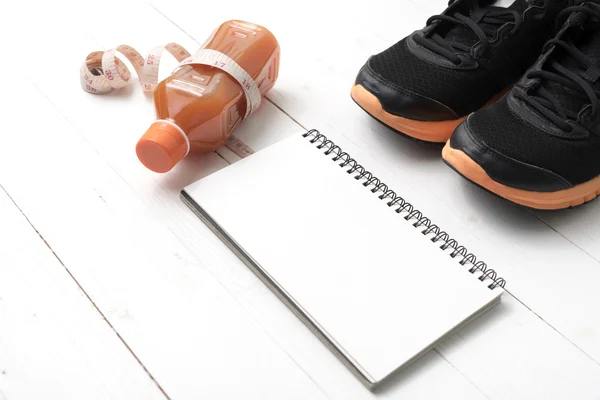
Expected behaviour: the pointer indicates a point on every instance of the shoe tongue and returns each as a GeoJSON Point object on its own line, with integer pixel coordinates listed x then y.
{"type": "Point", "coordinates": [476, 9]}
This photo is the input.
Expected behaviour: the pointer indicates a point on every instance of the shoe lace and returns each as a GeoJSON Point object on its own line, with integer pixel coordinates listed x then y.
{"type": "Point", "coordinates": [580, 81]}
{"type": "Point", "coordinates": [484, 26]}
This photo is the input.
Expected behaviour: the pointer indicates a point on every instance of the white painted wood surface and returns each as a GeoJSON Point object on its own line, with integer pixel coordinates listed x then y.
{"type": "Point", "coordinates": [54, 344]}
{"type": "Point", "coordinates": [195, 317]}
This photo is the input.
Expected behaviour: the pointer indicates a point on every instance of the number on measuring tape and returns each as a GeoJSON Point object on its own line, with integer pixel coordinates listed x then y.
{"type": "Point", "coordinates": [225, 63]}
{"type": "Point", "coordinates": [103, 72]}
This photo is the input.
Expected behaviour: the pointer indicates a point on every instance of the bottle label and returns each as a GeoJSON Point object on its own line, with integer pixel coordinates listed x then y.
{"type": "Point", "coordinates": [223, 62]}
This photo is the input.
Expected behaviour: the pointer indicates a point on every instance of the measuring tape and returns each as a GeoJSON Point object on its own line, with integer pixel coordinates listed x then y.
{"type": "Point", "coordinates": [103, 72]}
{"type": "Point", "coordinates": [223, 62]}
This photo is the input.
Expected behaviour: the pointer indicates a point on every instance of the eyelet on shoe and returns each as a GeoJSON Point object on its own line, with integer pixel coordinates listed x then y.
{"type": "Point", "coordinates": [571, 127]}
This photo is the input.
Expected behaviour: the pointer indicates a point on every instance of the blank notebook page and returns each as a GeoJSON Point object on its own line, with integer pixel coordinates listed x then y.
{"type": "Point", "coordinates": [377, 288]}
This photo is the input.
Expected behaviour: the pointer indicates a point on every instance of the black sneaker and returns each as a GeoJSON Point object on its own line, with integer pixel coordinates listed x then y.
{"type": "Point", "coordinates": [426, 84]}
{"type": "Point", "coordinates": [540, 145]}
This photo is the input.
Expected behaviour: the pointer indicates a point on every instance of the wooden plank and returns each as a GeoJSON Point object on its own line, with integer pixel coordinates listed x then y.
{"type": "Point", "coordinates": [161, 297]}
{"type": "Point", "coordinates": [53, 341]}
{"type": "Point", "coordinates": [184, 326]}
{"type": "Point", "coordinates": [158, 193]}
{"type": "Point", "coordinates": [320, 58]}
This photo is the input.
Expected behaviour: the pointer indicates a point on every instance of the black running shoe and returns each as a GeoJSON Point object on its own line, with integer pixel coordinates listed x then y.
{"type": "Point", "coordinates": [540, 145]}
{"type": "Point", "coordinates": [426, 84]}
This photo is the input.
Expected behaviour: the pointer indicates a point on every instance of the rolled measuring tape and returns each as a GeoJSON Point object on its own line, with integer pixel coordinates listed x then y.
{"type": "Point", "coordinates": [102, 72]}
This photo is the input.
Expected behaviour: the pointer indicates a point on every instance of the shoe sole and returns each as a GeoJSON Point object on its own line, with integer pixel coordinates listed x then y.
{"type": "Point", "coordinates": [432, 131]}
{"type": "Point", "coordinates": [435, 132]}
{"type": "Point", "coordinates": [567, 198]}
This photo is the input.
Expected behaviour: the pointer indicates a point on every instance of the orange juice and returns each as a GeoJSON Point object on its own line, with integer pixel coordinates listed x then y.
{"type": "Point", "coordinates": [199, 105]}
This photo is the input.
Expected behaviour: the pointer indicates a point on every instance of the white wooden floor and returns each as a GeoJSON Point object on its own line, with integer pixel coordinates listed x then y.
{"type": "Point", "coordinates": [110, 288]}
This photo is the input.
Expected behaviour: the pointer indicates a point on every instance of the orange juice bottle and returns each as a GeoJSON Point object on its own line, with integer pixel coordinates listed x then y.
{"type": "Point", "coordinates": [200, 104]}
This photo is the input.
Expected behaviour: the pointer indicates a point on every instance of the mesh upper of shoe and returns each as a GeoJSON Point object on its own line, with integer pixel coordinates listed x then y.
{"type": "Point", "coordinates": [501, 129]}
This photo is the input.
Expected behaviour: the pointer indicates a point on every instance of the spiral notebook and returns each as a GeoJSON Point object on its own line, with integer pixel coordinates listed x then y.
{"type": "Point", "coordinates": [371, 276]}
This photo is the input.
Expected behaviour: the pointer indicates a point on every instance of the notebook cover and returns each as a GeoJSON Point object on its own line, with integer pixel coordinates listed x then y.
{"type": "Point", "coordinates": [376, 291]}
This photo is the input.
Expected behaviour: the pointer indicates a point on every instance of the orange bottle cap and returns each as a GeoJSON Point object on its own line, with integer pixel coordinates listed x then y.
{"type": "Point", "coordinates": [163, 145]}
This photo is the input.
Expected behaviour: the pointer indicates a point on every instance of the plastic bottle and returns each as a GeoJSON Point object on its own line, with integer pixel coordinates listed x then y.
{"type": "Point", "coordinates": [199, 106]}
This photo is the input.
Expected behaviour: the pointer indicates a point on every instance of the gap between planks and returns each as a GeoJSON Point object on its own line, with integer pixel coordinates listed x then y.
{"type": "Point", "coordinates": [85, 294]}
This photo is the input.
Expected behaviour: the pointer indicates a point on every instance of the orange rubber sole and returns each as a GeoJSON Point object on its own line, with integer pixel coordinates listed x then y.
{"type": "Point", "coordinates": [566, 198]}
{"type": "Point", "coordinates": [435, 132]}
